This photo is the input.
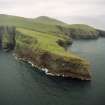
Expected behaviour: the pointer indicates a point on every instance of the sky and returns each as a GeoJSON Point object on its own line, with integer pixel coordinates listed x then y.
{"type": "Point", "coordinates": [91, 12]}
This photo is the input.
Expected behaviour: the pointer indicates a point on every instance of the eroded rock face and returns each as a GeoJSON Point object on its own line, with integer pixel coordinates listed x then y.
{"type": "Point", "coordinates": [82, 34]}
{"type": "Point", "coordinates": [10, 32]}
{"type": "Point", "coordinates": [65, 67]}
{"type": "Point", "coordinates": [101, 33]}
{"type": "Point", "coordinates": [58, 65]}
{"type": "Point", "coordinates": [1, 36]}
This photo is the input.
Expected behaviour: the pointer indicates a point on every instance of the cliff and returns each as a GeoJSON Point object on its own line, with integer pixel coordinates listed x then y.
{"type": "Point", "coordinates": [101, 33]}
{"type": "Point", "coordinates": [79, 31]}
{"type": "Point", "coordinates": [44, 51]}
{"type": "Point", "coordinates": [56, 65]}
{"type": "Point", "coordinates": [44, 44]}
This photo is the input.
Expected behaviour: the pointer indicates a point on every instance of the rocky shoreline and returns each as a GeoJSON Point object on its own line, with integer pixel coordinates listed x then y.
{"type": "Point", "coordinates": [48, 72]}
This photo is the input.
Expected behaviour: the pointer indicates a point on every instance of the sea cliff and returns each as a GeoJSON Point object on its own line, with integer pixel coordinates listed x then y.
{"type": "Point", "coordinates": [56, 65]}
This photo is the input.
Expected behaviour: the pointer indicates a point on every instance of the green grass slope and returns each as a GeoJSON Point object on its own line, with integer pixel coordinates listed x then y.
{"type": "Point", "coordinates": [44, 41]}
{"type": "Point", "coordinates": [48, 20]}
{"type": "Point", "coordinates": [52, 26]}
{"type": "Point", "coordinates": [27, 23]}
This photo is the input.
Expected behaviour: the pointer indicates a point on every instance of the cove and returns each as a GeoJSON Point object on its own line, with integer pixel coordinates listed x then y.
{"type": "Point", "coordinates": [20, 84]}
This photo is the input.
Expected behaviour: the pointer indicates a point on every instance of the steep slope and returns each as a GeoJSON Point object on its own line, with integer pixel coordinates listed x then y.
{"type": "Point", "coordinates": [48, 20]}
{"type": "Point", "coordinates": [101, 33]}
{"type": "Point", "coordinates": [42, 50]}
{"type": "Point", "coordinates": [81, 31]}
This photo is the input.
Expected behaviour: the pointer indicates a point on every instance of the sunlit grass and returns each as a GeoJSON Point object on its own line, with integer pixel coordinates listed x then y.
{"type": "Point", "coordinates": [45, 42]}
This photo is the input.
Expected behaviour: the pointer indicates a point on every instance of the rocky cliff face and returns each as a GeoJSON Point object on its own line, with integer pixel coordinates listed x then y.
{"type": "Point", "coordinates": [82, 34]}
{"type": "Point", "coordinates": [1, 36]}
{"type": "Point", "coordinates": [101, 33]}
{"type": "Point", "coordinates": [7, 37]}
{"type": "Point", "coordinates": [57, 65]}
{"type": "Point", "coordinates": [11, 31]}
{"type": "Point", "coordinates": [79, 31]}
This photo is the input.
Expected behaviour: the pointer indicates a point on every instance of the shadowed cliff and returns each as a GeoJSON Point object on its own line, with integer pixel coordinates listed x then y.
{"type": "Point", "coordinates": [7, 37]}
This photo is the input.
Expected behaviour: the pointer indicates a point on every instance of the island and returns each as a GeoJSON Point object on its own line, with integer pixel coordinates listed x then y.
{"type": "Point", "coordinates": [43, 42]}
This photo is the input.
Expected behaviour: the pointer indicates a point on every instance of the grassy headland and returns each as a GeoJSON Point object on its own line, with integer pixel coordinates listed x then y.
{"type": "Point", "coordinates": [43, 40]}
{"type": "Point", "coordinates": [43, 50]}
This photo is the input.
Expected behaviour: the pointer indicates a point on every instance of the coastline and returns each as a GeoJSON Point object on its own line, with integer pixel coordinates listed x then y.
{"type": "Point", "coordinates": [46, 71]}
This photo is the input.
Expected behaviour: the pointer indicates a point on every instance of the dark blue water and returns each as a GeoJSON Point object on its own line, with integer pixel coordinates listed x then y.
{"type": "Point", "coordinates": [20, 84]}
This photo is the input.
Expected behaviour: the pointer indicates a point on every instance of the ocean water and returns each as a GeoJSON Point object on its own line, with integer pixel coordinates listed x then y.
{"type": "Point", "coordinates": [20, 84]}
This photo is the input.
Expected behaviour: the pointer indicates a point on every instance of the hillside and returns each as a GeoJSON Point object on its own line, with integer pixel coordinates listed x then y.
{"type": "Point", "coordinates": [52, 26]}
{"type": "Point", "coordinates": [26, 23]}
{"type": "Point", "coordinates": [43, 43]}
{"type": "Point", "coordinates": [48, 20]}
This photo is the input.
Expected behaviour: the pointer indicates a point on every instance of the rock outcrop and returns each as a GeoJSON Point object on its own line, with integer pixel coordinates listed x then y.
{"type": "Point", "coordinates": [7, 37]}
{"type": "Point", "coordinates": [101, 33]}
{"type": "Point", "coordinates": [1, 36]}
{"type": "Point", "coordinates": [57, 65]}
